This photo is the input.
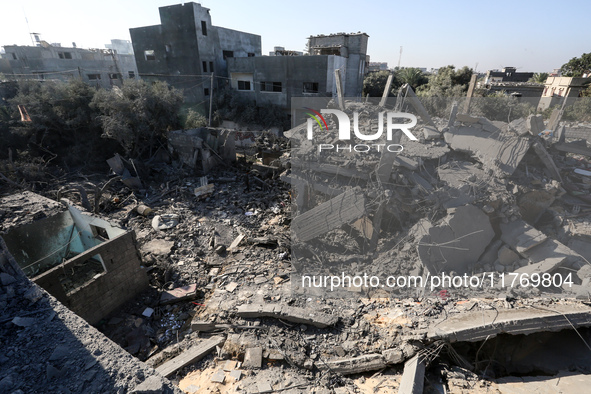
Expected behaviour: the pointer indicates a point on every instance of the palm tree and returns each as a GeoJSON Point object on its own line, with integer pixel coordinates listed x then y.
{"type": "Point", "coordinates": [412, 76]}
{"type": "Point", "coordinates": [539, 78]}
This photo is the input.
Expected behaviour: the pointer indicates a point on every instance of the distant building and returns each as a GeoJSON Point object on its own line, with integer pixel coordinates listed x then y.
{"type": "Point", "coordinates": [123, 47]}
{"type": "Point", "coordinates": [186, 48]}
{"type": "Point", "coordinates": [557, 89]}
{"type": "Point", "coordinates": [377, 66]}
{"type": "Point", "coordinates": [276, 79]}
{"type": "Point", "coordinates": [509, 74]}
{"type": "Point", "coordinates": [99, 67]}
{"type": "Point", "coordinates": [281, 51]}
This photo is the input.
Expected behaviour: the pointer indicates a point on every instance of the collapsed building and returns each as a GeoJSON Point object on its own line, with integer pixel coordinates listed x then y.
{"type": "Point", "coordinates": [86, 263]}
{"type": "Point", "coordinates": [224, 310]}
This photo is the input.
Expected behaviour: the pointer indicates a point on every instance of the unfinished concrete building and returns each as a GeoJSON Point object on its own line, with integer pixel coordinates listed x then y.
{"type": "Point", "coordinates": [185, 49]}
{"type": "Point", "coordinates": [87, 263]}
{"type": "Point", "coordinates": [557, 89]}
{"type": "Point", "coordinates": [97, 67]}
{"type": "Point", "coordinates": [276, 79]}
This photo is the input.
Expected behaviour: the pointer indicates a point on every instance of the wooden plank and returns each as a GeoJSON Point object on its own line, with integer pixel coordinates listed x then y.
{"type": "Point", "coordinates": [190, 356]}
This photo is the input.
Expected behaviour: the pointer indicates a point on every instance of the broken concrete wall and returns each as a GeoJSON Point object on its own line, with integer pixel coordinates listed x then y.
{"type": "Point", "coordinates": [39, 245]}
{"type": "Point", "coordinates": [500, 153]}
{"type": "Point", "coordinates": [92, 229]}
{"type": "Point", "coordinates": [202, 148]}
{"type": "Point", "coordinates": [123, 279]}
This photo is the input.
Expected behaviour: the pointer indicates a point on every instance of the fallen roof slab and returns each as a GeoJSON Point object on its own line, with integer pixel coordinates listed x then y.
{"type": "Point", "coordinates": [349, 366]}
{"type": "Point", "coordinates": [289, 313]}
{"type": "Point", "coordinates": [190, 356]}
{"type": "Point", "coordinates": [500, 153]}
{"type": "Point", "coordinates": [480, 325]}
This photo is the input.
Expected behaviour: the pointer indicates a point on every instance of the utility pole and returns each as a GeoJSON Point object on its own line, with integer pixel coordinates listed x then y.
{"type": "Point", "coordinates": [210, 100]}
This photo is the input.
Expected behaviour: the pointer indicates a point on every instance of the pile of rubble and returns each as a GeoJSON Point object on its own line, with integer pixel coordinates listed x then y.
{"type": "Point", "coordinates": [227, 312]}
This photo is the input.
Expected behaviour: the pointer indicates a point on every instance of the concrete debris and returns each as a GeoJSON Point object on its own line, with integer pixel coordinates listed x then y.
{"type": "Point", "coordinates": [159, 247]}
{"type": "Point", "coordinates": [499, 153]}
{"type": "Point", "coordinates": [288, 313]}
{"type": "Point", "coordinates": [190, 356]}
{"type": "Point", "coordinates": [126, 170]}
{"type": "Point", "coordinates": [573, 148]}
{"type": "Point", "coordinates": [226, 305]}
{"type": "Point", "coordinates": [413, 377]}
{"type": "Point", "coordinates": [342, 209]}
{"type": "Point", "coordinates": [535, 124]}
{"type": "Point", "coordinates": [544, 254]}
{"type": "Point", "coordinates": [533, 204]}
{"type": "Point", "coordinates": [481, 325]}
{"type": "Point", "coordinates": [179, 294]}
{"type": "Point", "coordinates": [165, 222]}
{"type": "Point", "coordinates": [348, 366]}
{"type": "Point", "coordinates": [547, 160]}
{"type": "Point", "coordinates": [204, 190]}
{"type": "Point", "coordinates": [253, 358]}
{"type": "Point", "coordinates": [457, 242]}
{"type": "Point", "coordinates": [218, 377]}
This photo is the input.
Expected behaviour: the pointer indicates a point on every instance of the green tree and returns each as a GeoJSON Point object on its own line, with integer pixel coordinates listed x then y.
{"type": "Point", "coordinates": [577, 66]}
{"type": "Point", "coordinates": [62, 121]}
{"type": "Point", "coordinates": [412, 76]}
{"type": "Point", "coordinates": [500, 106]}
{"type": "Point", "coordinates": [539, 78]}
{"type": "Point", "coordinates": [374, 84]}
{"type": "Point", "coordinates": [448, 82]}
{"type": "Point", "coordinates": [138, 114]}
{"type": "Point", "coordinates": [194, 120]}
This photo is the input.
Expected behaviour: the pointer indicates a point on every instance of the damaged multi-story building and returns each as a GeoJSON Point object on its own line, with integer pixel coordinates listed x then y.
{"type": "Point", "coordinates": [185, 49]}
{"type": "Point", "coordinates": [44, 61]}
{"type": "Point", "coordinates": [188, 57]}
{"type": "Point", "coordinates": [276, 79]}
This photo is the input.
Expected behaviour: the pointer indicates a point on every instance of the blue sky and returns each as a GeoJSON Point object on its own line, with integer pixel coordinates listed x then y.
{"type": "Point", "coordinates": [529, 35]}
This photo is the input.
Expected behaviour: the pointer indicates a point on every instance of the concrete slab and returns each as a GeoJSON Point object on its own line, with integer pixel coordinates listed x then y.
{"type": "Point", "coordinates": [190, 356]}
{"type": "Point", "coordinates": [543, 253]}
{"type": "Point", "coordinates": [158, 247]}
{"type": "Point", "coordinates": [457, 243]}
{"type": "Point", "coordinates": [288, 313]}
{"type": "Point", "coordinates": [253, 358]}
{"type": "Point", "coordinates": [501, 153]}
{"type": "Point", "coordinates": [413, 377]}
{"type": "Point", "coordinates": [480, 325]}
{"type": "Point", "coordinates": [348, 366]}
{"type": "Point", "coordinates": [535, 124]}
{"type": "Point", "coordinates": [566, 382]}
{"type": "Point", "coordinates": [521, 236]}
